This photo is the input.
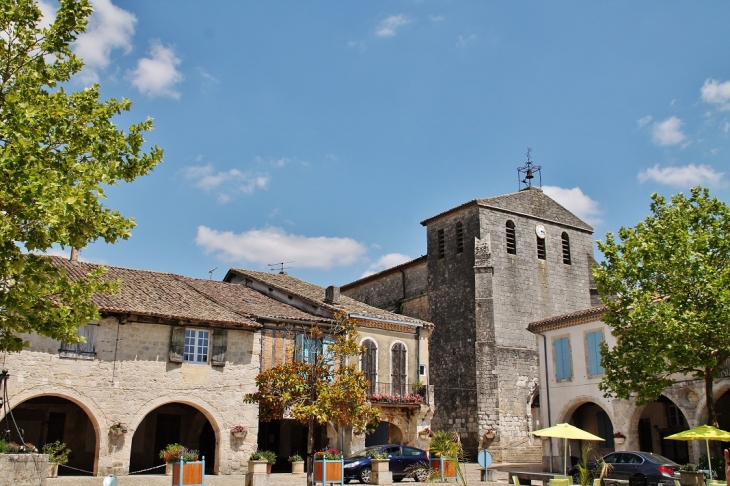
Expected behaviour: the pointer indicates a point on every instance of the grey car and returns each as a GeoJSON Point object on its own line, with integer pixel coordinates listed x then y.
{"type": "Point", "coordinates": [655, 468]}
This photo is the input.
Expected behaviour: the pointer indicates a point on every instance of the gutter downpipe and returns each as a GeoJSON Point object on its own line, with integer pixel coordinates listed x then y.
{"type": "Point", "coordinates": [547, 393]}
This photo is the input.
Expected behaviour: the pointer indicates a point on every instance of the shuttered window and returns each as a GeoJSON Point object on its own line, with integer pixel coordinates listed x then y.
{"type": "Point", "coordinates": [84, 350]}
{"type": "Point", "coordinates": [561, 352]}
{"type": "Point", "coordinates": [593, 350]}
{"type": "Point", "coordinates": [541, 252]}
{"type": "Point", "coordinates": [511, 238]}
{"type": "Point", "coordinates": [605, 429]}
{"type": "Point", "coordinates": [441, 243]}
{"type": "Point", "coordinates": [368, 363]}
{"type": "Point", "coordinates": [197, 344]}
{"type": "Point", "coordinates": [566, 248]}
{"type": "Point", "coordinates": [398, 369]}
{"type": "Point", "coordinates": [220, 346]}
{"type": "Point", "coordinates": [307, 349]}
{"type": "Point", "coordinates": [459, 237]}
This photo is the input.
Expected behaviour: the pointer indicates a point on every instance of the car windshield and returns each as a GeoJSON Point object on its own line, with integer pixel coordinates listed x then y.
{"type": "Point", "coordinates": [364, 452]}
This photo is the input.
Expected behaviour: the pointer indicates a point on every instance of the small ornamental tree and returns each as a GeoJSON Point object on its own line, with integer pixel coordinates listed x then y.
{"type": "Point", "coordinates": [58, 151]}
{"type": "Point", "coordinates": [320, 387]}
{"type": "Point", "coordinates": [666, 284]}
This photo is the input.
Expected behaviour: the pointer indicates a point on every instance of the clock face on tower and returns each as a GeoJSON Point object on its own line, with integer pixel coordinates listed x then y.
{"type": "Point", "coordinates": [540, 231]}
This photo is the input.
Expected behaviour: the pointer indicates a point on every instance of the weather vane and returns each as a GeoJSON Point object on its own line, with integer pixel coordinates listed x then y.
{"type": "Point", "coordinates": [281, 267]}
{"type": "Point", "coordinates": [529, 173]}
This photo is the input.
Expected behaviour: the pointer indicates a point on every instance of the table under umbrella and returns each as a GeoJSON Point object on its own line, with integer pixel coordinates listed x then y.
{"type": "Point", "coordinates": [566, 431]}
{"type": "Point", "coordinates": [703, 432]}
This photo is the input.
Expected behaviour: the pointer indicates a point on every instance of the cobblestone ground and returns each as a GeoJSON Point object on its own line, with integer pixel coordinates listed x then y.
{"type": "Point", "coordinates": [472, 475]}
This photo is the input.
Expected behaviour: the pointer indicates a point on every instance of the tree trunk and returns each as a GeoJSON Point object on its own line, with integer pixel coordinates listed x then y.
{"type": "Point", "coordinates": [310, 452]}
{"type": "Point", "coordinates": [711, 417]}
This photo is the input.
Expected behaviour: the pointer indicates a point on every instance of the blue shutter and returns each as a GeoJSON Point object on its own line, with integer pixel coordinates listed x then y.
{"type": "Point", "coordinates": [299, 347]}
{"type": "Point", "coordinates": [561, 349]}
{"type": "Point", "coordinates": [593, 347]}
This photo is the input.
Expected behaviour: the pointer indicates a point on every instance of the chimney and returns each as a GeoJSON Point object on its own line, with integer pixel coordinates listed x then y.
{"type": "Point", "coordinates": [332, 295]}
{"type": "Point", "coordinates": [74, 255]}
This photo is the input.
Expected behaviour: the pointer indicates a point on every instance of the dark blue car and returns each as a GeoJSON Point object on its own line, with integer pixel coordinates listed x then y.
{"type": "Point", "coordinates": [358, 466]}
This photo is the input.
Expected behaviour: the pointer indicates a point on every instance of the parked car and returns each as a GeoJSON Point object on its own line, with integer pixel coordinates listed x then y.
{"type": "Point", "coordinates": [358, 466]}
{"type": "Point", "coordinates": [656, 469]}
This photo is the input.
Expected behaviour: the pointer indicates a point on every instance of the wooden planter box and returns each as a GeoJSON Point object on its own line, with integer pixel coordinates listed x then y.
{"type": "Point", "coordinates": [446, 468]}
{"type": "Point", "coordinates": [297, 467]}
{"type": "Point", "coordinates": [327, 472]}
{"type": "Point", "coordinates": [188, 473]}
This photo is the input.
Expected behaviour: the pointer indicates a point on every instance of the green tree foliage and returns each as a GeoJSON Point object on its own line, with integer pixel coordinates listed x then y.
{"type": "Point", "coordinates": [327, 387]}
{"type": "Point", "coordinates": [667, 286]}
{"type": "Point", "coordinates": [58, 150]}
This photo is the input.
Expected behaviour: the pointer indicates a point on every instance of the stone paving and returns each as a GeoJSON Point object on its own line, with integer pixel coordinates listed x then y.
{"type": "Point", "coordinates": [282, 479]}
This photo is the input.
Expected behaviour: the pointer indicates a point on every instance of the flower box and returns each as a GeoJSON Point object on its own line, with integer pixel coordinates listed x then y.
{"type": "Point", "coordinates": [239, 435]}
{"type": "Point", "coordinates": [297, 467]}
{"type": "Point", "coordinates": [692, 478]}
{"type": "Point", "coordinates": [619, 440]}
{"type": "Point", "coordinates": [329, 471]}
{"type": "Point", "coordinates": [188, 473]}
{"type": "Point", "coordinates": [446, 468]}
{"type": "Point", "coordinates": [259, 467]}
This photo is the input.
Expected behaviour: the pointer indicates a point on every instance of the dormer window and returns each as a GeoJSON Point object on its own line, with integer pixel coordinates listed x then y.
{"type": "Point", "coordinates": [459, 237]}
{"type": "Point", "coordinates": [511, 238]}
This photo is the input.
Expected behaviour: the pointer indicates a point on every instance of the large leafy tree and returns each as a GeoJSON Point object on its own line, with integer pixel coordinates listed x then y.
{"type": "Point", "coordinates": [666, 283]}
{"type": "Point", "coordinates": [58, 150]}
{"type": "Point", "coordinates": [324, 387]}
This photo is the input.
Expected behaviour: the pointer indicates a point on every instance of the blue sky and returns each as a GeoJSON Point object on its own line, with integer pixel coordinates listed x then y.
{"type": "Point", "coordinates": [323, 132]}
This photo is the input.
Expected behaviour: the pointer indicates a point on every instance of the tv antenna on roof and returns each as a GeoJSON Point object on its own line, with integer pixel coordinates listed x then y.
{"type": "Point", "coordinates": [211, 272]}
{"type": "Point", "coordinates": [529, 170]}
{"type": "Point", "coordinates": [281, 267]}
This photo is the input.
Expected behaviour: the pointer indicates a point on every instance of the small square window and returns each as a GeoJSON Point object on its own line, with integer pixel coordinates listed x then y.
{"type": "Point", "coordinates": [196, 346]}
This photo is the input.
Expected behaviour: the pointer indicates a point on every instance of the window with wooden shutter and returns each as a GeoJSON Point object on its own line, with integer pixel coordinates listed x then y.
{"type": "Point", "coordinates": [593, 350]}
{"type": "Point", "coordinates": [82, 350]}
{"type": "Point", "coordinates": [368, 363]}
{"type": "Point", "coordinates": [177, 344]}
{"type": "Point", "coordinates": [220, 345]}
{"type": "Point", "coordinates": [398, 369]}
{"type": "Point", "coordinates": [561, 352]}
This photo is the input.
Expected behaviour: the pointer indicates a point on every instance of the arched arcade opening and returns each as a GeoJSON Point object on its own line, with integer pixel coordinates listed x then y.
{"type": "Point", "coordinates": [592, 418]}
{"type": "Point", "coordinates": [172, 423]}
{"type": "Point", "coordinates": [659, 419]}
{"type": "Point", "coordinates": [46, 419]}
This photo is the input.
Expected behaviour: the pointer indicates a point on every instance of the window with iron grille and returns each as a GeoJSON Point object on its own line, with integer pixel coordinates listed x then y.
{"type": "Point", "coordinates": [459, 237]}
{"type": "Point", "coordinates": [566, 248]}
{"type": "Point", "coordinates": [441, 243]}
{"type": "Point", "coordinates": [511, 238]}
{"type": "Point", "coordinates": [368, 363]}
{"type": "Point", "coordinates": [541, 254]}
{"type": "Point", "coordinates": [85, 350]}
{"type": "Point", "coordinates": [196, 347]}
{"type": "Point", "coordinates": [398, 369]}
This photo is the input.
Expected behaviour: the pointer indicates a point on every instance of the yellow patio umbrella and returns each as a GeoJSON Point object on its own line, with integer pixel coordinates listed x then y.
{"type": "Point", "coordinates": [566, 431]}
{"type": "Point", "coordinates": [703, 432]}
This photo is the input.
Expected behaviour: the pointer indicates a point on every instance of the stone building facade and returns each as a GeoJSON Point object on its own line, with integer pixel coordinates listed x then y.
{"type": "Point", "coordinates": [569, 385]}
{"type": "Point", "coordinates": [492, 266]}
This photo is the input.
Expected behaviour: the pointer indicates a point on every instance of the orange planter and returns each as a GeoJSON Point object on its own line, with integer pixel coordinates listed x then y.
{"type": "Point", "coordinates": [192, 474]}
{"type": "Point", "coordinates": [333, 471]}
{"type": "Point", "coordinates": [445, 467]}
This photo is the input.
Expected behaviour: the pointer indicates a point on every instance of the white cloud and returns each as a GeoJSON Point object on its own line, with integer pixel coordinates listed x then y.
{"type": "Point", "coordinates": [272, 244]}
{"type": "Point", "coordinates": [436, 18]}
{"type": "Point", "coordinates": [388, 27]}
{"type": "Point", "coordinates": [643, 121]}
{"type": "Point", "coordinates": [110, 27]}
{"type": "Point", "coordinates": [716, 93]}
{"type": "Point", "coordinates": [228, 183]}
{"type": "Point", "coordinates": [157, 75]}
{"type": "Point", "coordinates": [386, 261]}
{"type": "Point", "coordinates": [668, 132]}
{"type": "Point", "coordinates": [684, 176]}
{"type": "Point", "coordinates": [462, 41]}
{"type": "Point", "coordinates": [576, 202]}
{"type": "Point", "coordinates": [726, 127]}
{"type": "Point", "coordinates": [49, 13]}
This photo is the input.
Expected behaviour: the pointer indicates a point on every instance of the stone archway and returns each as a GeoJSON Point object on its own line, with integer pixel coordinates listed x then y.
{"type": "Point", "coordinates": [172, 423]}
{"type": "Point", "coordinates": [591, 417]}
{"type": "Point", "coordinates": [656, 420]}
{"type": "Point", "coordinates": [45, 419]}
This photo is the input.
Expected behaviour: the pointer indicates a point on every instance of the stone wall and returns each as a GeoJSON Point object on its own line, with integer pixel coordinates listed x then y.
{"type": "Point", "coordinates": [23, 469]}
{"type": "Point", "coordinates": [130, 377]}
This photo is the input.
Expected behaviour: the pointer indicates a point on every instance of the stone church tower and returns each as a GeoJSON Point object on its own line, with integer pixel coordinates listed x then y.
{"type": "Point", "coordinates": [492, 266]}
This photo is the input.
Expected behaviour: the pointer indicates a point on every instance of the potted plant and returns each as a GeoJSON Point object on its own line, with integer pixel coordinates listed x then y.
{"type": "Point", "coordinates": [426, 433]}
{"type": "Point", "coordinates": [328, 465]}
{"type": "Point", "coordinates": [117, 428]}
{"type": "Point", "coordinates": [618, 437]}
{"type": "Point", "coordinates": [172, 454]}
{"type": "Point", "coordinates": [445, 452]}
{"type": "Point", "coordinates": [690, 476]}
{"type": "Point", "coordinates": [380, 463]}
{"type": "Point", "coordinates": [57, 454]}
{"type": "Point", "coordinates": [297, 464]}
{"type": "Point", "coordinates": [489, 434]}
{"type": "Point", "coordinates": [418, 388]}
{"type": "Point", "coordinates": [239, 431]}
{"type": "Point", "coordinates": [267, 457]}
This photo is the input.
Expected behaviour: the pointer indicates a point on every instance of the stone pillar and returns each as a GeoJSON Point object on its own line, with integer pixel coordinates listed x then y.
{"type": "Point", "coordinates": [381, 472]}
{"type": "Point", "coordinates": [257, 474]}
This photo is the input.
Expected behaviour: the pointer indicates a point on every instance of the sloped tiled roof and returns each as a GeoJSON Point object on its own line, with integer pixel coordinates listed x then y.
{"type": "Point", "coordinates": [315, 294]}
{"type": "Point", "coordinates": [532, 202]}
{"type": "Point", "coordinates": [170, 296]}
{"type": "Point", "coordinates": [569, 319]}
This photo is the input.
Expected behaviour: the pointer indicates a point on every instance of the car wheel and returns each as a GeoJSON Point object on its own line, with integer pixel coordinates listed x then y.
{"type": "Point", "coordinates": [365, 474]}
{"type": "Point", "coordinates": [421, 476]}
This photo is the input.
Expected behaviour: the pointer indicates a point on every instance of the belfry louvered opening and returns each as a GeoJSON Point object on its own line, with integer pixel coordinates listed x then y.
{"type": "Point", "coordinates": [566, 248]}
{"type": "Point", "coordinates": [511, 238]}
